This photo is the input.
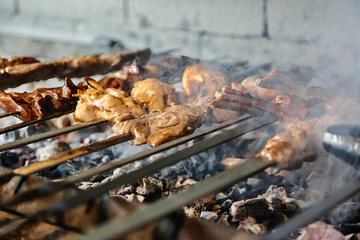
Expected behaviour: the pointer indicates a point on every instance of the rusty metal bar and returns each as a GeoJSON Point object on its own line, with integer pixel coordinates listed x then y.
{"type": "Point", "coordinates": [50, 134]}
{"type": "Point", "coordinates": [165, 206]}
{"type": "Point", "coordinates": [28, 123]}
{"type": "Point", "coordinates": [50, 187]}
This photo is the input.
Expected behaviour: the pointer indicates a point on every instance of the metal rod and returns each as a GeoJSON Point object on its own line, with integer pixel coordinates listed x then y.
{"type": "Point", "coordinates": [49, 187]}
{"type": "Point", "coordinates": [65, 156]}
{"type": "Point", "coordinates": [165, 206]}
{"type": "Point", "coordinates": [28, 123]}
{"type": "Point", "coordinates": [224, 136]}
{"type": "Point", "coordinates": [313, 213]}
{"type": "Point", "coordinates": [49, 134]}
{"type": "Point", "coordinates": [4, 115]}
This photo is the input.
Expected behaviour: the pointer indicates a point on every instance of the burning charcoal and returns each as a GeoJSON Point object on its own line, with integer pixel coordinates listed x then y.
{"type": "Point", "coordinates": [10, 159]}
{"type": "Point", "coordinates": [250, 225]}
{"type": "Point", "coordinates": [257, 208]}
{"type": "Point", "coordinates": [53, 149]}
{"type": "Point", "coordinates": [221, 197]}
{"type": "Point", "coordinates": [236, 193]}
{"type": "Point", "coordinates": [145, 187]}
{"type": "Point", "coordinates": [223, 219]}
{"type": "Point", "coordinates": [227, 204]}
{"type": "Point", "coordinates": [136, 198]}
{"type": "Point", "coordinates": [346, 213]}
{"type": "Point", "coordinates": [319, 230]}
{"type": "Point", "coordinates": [209, 216]}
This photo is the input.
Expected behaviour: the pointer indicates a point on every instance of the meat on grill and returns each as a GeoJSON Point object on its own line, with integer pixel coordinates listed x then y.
{"type": "Point", "coordinates": [295, 145]}
{"type": "Point", "coordinates": [200, 80]}
{"type": "Point", "coordinates": [125, 79]}
{"type": "Point", "coordinates": [78, 66]}
{"type": "Point", "coordinates": [249, 85]}
{"type": "Point", "coordinates": [288, 107]}
{"type": "Point", "coordinates": [111, 104]}
{"type": "Point", "coordinates": [158, 127]}
{"type": "Point", "coordinates": [41, 102]}
{"type": "Point", "coordinates": [16, 61]}
{"type": "Point", "coordinates": [154, 94]}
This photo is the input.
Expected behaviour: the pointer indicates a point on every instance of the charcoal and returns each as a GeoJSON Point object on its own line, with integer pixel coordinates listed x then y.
{"type": "Point", "coordinates": [10, 159]}
{"type": "Point", "coordinates": [52, 149]}
{"type": "Point", "coordinates": [221, 197]}
{"type": "Point", "coordinates": [346, 213]}
{"type": "Point", "coordinates": [227, 204]}
{"type": "Point", "coordinates": [250, 225]}
{"type": "Point", "coordinates": [209, 216]}
{"type": "Point", "coordinates": [237, 194]}
{"type": "Point", "coordinates": [145, 187]}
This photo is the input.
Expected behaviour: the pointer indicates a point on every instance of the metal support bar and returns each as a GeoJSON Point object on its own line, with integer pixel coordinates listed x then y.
{"type": "Point", "coordinates": [165, 206]}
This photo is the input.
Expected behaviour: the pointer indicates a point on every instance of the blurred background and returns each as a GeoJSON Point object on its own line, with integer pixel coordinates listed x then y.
{"type": "Point", "coordinates": [317, 33]}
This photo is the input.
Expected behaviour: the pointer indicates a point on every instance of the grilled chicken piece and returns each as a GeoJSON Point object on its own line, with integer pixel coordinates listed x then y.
{"type": "Point", "coordinates": [16, 61]}
{"type": "Point", "coordinates": [292, 105]}
{"type": "Point", "coordinates": [111, 104]}
{"type": "Point", "coordinates": [154, 94]}
{"type": "Point", "coordinates": [125, 79]}
{"type": "Point", "coordinates": [249, 85]}
{"type": "Point", "coordinates": [158, 127]}
{"type": "Point", "coordinates": [295, 145]}
{"type": "Point", "coordinates": [200, 80]}
{"type": "Point", "coordinates": [41, 102]}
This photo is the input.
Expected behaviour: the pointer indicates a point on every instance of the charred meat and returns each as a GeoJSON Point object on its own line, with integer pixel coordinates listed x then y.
{"type": "Point", "coordinates": [159, 127]}
{"type": "Point", "coordinates": [295, 145]}
{"type": "Point", "coordinates": [154, 94]}
{"type": "Point", "coordinates": [78, 66]}
{"type": "Point", "coordinates": [111, 104]}
{"type": "Point", "coordinates": [41, 102]}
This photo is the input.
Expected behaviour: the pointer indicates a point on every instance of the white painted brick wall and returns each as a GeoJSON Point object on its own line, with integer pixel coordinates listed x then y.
{"type": "Point", "coordinates": [6, 6]}
{"type": "Point", "coordinates": [314, 20]}
{"type": "Point", "coordinates": [90, 10]}
{"type": "Point", "coordinates": [241, 17]}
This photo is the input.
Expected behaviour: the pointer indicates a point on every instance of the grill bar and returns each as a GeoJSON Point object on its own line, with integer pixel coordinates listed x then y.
{"type": "Point", "coordinates": [65, 156]}
{"type": "Point", "coordinates": [46, 135]}
{"type": "Point", "coordinates": [50, 187]}
{"type": "Point", "coordinates": [28, 123]}
{"type": "Point", "coordinates": [165, 206]}
{"type": "Point", "coordinates": [224, 136]}
{"type": "Point", "coordinates": [4, 115]}
{"type": "Point", "coordinates": [316, 211]}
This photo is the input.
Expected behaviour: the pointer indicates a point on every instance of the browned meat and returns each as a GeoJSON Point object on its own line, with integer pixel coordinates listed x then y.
{"type": "Point", "coordinates": [16, 61]}
{"type": "Point", "coordinates": [41, 102]}
{"type": "Point", "coordinates": [200, 80]}
{"type": "Point", "coordinates": [158, 127]}
{"type": "Point", "coordinates": [154, 94]}
{"type": "Point", "coordinates": [295, 145]}
{"type": "Point", "coordinates": [111, 104]}
{"type": "Point", "coordinates": [125, 79]}
{"type": "Point", "coordinates": [79, 66]}
{"type": "Point", "coordinates": [249, 85]}
{"type": "Point", "coordinates": [292, 104]}
{"type": "Point", "coordinates": [290, 107]}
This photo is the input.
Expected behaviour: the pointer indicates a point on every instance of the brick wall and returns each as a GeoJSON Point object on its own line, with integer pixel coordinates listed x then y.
{"type": "Point", "coordinates": [320, 33]}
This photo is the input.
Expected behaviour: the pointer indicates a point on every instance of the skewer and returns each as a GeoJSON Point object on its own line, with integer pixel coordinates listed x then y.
{"type": "Point", "coordinates": [50, 187]}
{"type": "Point", "coordinates": [4, 115]}
{"type": "Point", "coordinates": [63, 157]}
{"type": "Point", "coordinates": [165, 206]}
{"type": "Point", "coordinates": [224, 136]}
{"type": "Point", "coordinates": [152, 168]}
{"type": "Point", "coordinates": [46, 135]}
{"type": "Point", "coordinates": [28, 123]}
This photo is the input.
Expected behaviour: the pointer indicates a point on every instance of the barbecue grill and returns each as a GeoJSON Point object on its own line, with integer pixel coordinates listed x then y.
{"type": "Point", "coordinates": [31, 200]}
